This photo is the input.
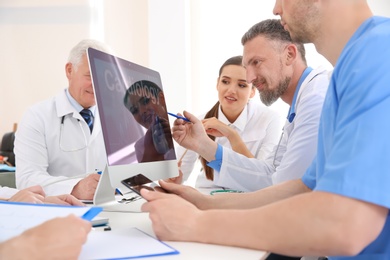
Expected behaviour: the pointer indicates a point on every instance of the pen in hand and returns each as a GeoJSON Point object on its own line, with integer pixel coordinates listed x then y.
{"type": "Point", "coordinates": [116, 190]}
{"type": "Point", "coordinates": [179, 117]}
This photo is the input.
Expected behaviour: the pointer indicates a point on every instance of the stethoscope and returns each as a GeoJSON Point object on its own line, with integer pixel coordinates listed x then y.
{"type": "Point", "coordinates": [61, 131]}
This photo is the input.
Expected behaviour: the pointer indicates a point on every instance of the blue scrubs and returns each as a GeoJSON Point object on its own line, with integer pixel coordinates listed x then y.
{"type": "Point", "coordinates": [354, 134]}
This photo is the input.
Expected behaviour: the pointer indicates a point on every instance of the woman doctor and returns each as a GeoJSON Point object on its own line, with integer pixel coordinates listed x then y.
{"type": "Point", "coordinates": [235, 121]}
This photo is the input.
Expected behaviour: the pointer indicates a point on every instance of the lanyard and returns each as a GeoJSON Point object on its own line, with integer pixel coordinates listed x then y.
{"type": "Point", "coordinates": [291, 111]}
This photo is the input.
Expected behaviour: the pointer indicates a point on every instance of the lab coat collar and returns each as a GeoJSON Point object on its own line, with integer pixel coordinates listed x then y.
{"type": "Point", "coordinates": [240, 122]}
{"type": "Point", "coordinates": [64, 107]}
{"type": "Point", "coordinates": [76, 105]}
{"type": "Point", "coordinates": [314, 73]}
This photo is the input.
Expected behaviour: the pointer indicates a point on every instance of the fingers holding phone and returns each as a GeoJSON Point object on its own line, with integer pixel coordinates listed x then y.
{"type": "Point", "coordinates": [140, 181]}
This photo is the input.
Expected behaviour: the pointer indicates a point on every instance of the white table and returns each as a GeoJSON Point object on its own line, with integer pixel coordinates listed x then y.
{"type": "Point", "coordinates": [187, 250]}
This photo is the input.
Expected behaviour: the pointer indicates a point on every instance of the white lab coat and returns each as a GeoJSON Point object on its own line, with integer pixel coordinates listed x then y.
{"type": "Point", "coordinates": [259, 128]}
{"type": "Point", "coordinates": [295, 152]}
{"type": "Point", "coordinates": [42, 158]}
{"type": "Point", "coordinates": [6, 192]}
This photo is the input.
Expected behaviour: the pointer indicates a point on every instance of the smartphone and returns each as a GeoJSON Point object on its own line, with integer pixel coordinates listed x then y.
{"type": "Point", "coordinates": [140, 181]}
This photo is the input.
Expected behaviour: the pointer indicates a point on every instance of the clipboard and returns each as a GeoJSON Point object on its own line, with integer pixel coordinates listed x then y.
{"type": "Point", "coordinates": [123, 243]}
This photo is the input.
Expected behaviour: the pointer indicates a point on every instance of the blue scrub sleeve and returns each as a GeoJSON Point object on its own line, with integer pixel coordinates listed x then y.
{"type": "Point", "coordinates": [309, 178]}
{"type": "Point", "coordinates": [217, 163]}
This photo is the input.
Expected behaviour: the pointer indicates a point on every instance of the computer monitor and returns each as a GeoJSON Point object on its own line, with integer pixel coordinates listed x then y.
{"type": "Point", "coordinates": [135, 124]}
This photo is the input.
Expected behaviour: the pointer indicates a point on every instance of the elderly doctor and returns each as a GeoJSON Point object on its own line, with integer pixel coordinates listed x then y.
{"type": "Point", "coordinates": [55, 146]}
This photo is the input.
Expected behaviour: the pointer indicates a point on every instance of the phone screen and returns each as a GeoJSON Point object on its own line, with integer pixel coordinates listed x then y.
{"type": "Point", "coordinates": [139, 181]}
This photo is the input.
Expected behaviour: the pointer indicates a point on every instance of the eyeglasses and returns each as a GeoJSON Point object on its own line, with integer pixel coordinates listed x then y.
{"type": "Point", "coordinates": [69, 144]}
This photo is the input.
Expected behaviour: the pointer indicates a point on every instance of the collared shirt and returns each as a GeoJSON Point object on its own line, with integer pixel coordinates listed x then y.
{"type": "Point", "coordinates": [76, 105]}
{"type": "Point", "coordinates": [295, 151]}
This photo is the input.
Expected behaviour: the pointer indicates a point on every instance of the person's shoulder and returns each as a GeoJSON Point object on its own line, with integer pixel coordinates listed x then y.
{"type": "Point", "coordinates": [43, 107]}
{"type": "Point", "coordinates": [376, 38]}
{"type": "Point", "coordinates": [369, 40]}
{"type": "Point", "coordinates": [317, 82]}
{"type": "Point", "coordinates": [378, 25]}
{"type": "Point", "coordinates": [366, 52]}
{"type": "Point", "coordinates": [313, 91]}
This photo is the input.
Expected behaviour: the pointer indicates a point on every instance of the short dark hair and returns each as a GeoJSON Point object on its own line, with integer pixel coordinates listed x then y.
{"type": "Point", "coordinates": [273, 30]}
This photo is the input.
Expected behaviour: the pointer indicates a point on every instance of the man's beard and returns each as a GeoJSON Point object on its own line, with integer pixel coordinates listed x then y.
{"type": "Point", "coordinates": [268, 97]}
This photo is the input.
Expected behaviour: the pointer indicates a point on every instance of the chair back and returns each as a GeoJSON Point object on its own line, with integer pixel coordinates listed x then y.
{"type": "Point", "coordinates": [7, 147]}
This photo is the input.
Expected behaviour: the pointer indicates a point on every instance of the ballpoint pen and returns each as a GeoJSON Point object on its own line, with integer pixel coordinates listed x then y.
{"type": "Point", "coordinates": [179, 117]}
{"type": "Point", "coordinates": [116, 190]}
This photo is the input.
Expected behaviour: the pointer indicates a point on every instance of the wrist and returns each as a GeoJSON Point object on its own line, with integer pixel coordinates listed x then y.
{"type": "Point", "coordinates": [75, 191]}
{"type": "Point", "coordinates": [207, 149]}
{"type": "Point", "coordinates": [204, 202]}
{"type": "Point", "coordinates": [233, 136]}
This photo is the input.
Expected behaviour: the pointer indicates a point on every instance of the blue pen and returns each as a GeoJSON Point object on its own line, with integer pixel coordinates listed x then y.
{"type": "Point", "coordinates": [179, 117]}
{"type": "Point", "coordinates": [116, 190]}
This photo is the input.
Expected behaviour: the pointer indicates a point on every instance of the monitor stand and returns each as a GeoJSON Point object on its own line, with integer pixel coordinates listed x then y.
{"type": "Point", "coordinates": [105, 197]}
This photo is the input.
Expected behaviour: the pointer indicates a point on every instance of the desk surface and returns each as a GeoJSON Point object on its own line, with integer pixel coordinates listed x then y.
{"type": "Point", "coordinates": [188, 250]}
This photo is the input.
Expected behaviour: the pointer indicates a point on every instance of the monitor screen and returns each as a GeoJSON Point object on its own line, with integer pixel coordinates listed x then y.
{"type": "Point", "coordinates": [133, 115]}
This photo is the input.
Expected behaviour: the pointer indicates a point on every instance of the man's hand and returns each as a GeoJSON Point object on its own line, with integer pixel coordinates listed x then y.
{"type": "Point", "coordinates": [188, 134]}
{"type": "Point", "coordinates": [59, 238]}
{"type": "Point", "coordinates": [172, 217]}
{"type": "Point", "coordinates": [193, 137]}
{"type": "Point", "coordinates": [33, 194]}
{"type": "Point", "coordinates": [85, 189]}
{"type": "Point", "coordinates": [65, 199]}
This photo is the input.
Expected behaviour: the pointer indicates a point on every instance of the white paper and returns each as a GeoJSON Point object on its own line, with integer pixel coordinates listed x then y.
{"type": "Point", "coordinates": [15, 218]}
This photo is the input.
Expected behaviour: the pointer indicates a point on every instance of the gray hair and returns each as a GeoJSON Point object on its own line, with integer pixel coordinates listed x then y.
{"type": "Point", "coordinates": [78, 51]}
{"type": "Point", "coordinates": [273, 30]}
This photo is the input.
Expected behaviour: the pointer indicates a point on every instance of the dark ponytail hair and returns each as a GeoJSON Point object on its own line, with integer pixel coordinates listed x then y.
{"type": "Point", "coordinates": [213, 112]}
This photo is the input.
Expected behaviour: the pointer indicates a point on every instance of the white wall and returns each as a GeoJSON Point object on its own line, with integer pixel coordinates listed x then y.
{"type": "Point", "coordinates": [185, 40]}
{"type": "Point", "coordinates": [35, 39]}
{"type": "Point", "coordinates": [37, 35]}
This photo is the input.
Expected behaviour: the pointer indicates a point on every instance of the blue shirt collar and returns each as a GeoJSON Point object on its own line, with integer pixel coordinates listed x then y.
{"type": "Point", "coordinates": [76, 105]}
{"type": "Point", "coordinates": [291, 112]}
